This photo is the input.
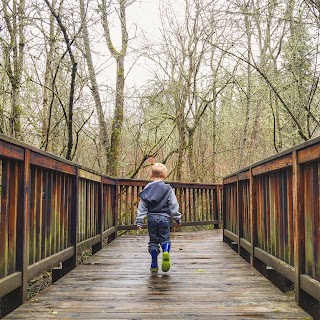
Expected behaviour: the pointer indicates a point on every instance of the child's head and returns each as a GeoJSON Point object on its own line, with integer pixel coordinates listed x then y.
{"type": "Point", "coordinates": [158, 171]}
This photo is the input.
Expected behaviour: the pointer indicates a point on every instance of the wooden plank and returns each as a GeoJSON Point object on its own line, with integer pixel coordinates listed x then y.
{"type": "Point", "coordinates": [108, 232]}
{"type": "Point", "coordinates": [273, 165]}
{"type": "Point", "coordinates": [290, 203]}
{"type": "Point", "coordinates": [127, 216]}
{"type": "Point", "coordinates": [115, 207]}
{"type": "Point", "coordinates": [101, 214]}
{"type": "Point", "coordinates": [36, 210]}
{"type": "Point", "coordinates": [132, 206]}
{"type": "Point", "coordinates": [239, 227]}
{"type": "Point", "coordinates": [309, 204]}
{"type": "Point", "coordinates": [120, 192]}
{"type": "Point", "coordinates": [124, 182]}
{"type": "Point", "coordinates": [33, 215]}
{"type": "Point", "coordinates": [13, 217]}
{"type": "Point", "coordinates": [4, 221]}
{"type": "Point", "coordinates": [191, 206]}
{"type": "Point", "coordinates": [207, 280]}
{"type": "Point", "coordinates": [190, 185]}
{"type": "Point", "coordinates": [310, 153]}
{"type": "Point", "coordinates": [88, 243]}
{"type": "Point", "coordinates": [9, 150]}
{"type": "Point", "coordinates": [244, 175]}
{"type": "Point", "coordinates": [50, 163]}
{"type": "Point", "coordinates": [310, 286]}
{"type": "Point", "coordinates": [316, 224]}
{"type": "Point", "coordinates": [49, 262]}
{"type": "Point", "coordinates": [24, 227]}
{"type": "Point", "coordinates": [108, 181]}
{"type": "Point", "coordinates": [230, 180]}
{"type": "Point", "coordinates": [283, 268]}
{"type": "Point", "coordinates": [63, 212]}
{"type": "Point", "coordinates": [246, 245]}
{"type": "Point", "coordinates": [10, 283]}
{"type": "Point", "coordinates": [44, 200]}
{"type": "Point", "coordinates": [253, 212]}
{"type": "Point", "coordinates": [89, 175]}
{"type": "Point", "coordinates": [232, 236]}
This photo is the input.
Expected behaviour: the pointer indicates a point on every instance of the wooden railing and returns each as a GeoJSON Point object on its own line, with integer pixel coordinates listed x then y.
{"type": "Point", "coordinates": [272, 217]}
{"type": "Point", "coordinates": [51, 209]}
{"type": "Point", "coordinates": [200, 204]}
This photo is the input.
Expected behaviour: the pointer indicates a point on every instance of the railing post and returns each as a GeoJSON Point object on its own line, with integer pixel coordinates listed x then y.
{"type": "Point", "coordinates": [298, 222]}
{"type": "Point", "coordinates": [223, 208]}
{"type": "Point", "coordinates": [253, 215]}
{"type": "Point", "coordinates": [98, 246]}
{"type": "Point", "coordinates": [72, 262]}
{"type": "Point", "coordinates": [115, 211]}
{"type": "Point", "coordinates": [219, 209]}
{"type": "Point", "coordinates": [25, 224]}
{"type": "Point", "coordinates": [15, 298]}
{"type": "Point", "coordinates": [239, 220]}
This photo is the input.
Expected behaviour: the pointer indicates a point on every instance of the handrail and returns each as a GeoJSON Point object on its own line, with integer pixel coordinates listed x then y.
{"type": "Point", "coordinates": [271, 214]}
{"type": "Point", "coordinates": [51, 209]}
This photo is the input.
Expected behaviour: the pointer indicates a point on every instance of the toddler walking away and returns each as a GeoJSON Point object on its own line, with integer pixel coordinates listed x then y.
{"type": "Point", "coordinates": [159, 203]}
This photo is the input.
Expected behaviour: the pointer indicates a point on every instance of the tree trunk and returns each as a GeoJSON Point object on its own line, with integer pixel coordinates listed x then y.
{"type": "Point", "coordinates": [103, 135]}
{"type": "Point", "coordinates": [191, 155]}
{"type": "Point", "coordinates": [14, 57]}
{"type": "Point", "coordinates": [243, 144]}
{"type": "Point", "coordinates": [113, 157]}
{"type": "Point", "coordinates": [69, 118]}
{"type": "Point", "coordinates": [113, 152]}
{"type": "Point", "coordinates": [48, 97]}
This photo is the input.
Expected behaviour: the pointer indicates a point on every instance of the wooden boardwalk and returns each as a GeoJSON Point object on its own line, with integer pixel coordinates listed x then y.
{"type": "Point", "coordinates": [207, 281]}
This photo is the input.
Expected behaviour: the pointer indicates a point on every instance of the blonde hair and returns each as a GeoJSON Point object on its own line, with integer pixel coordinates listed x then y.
{"type": "Point", "coordinates": [158, 170]}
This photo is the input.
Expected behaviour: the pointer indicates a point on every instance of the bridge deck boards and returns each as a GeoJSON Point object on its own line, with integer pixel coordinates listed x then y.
{"type": "Point", "coordinates": [207, 281]}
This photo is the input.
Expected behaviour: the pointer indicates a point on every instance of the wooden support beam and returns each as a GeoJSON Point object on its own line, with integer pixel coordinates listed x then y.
{"type": "Point", "coordinates": [298, 217]}
{"type": "Point", "coordinates": [253, 214]}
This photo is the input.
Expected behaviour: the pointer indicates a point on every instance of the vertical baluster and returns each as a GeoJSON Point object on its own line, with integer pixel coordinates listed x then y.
{"type": "Point", "coordinates": [33, 216]}
{"type": "Point", "coordinates": [299, 195]}
{"type": "Point", "coordinates": [132, 219]}
{"type": "Point", "coordinates": [37, 206]}
{"type": "Point", "coordinates": [4, 222]}
{"type": "Point", "coordinates": [50, 213]}
{"type": "Point", "coordinates": [120, 212]}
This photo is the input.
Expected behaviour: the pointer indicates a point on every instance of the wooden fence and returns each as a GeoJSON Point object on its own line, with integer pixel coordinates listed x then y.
{"type": "Point", "coordinates": [271, 215]}
{"type": "Point", "coordinates": [52, 209]}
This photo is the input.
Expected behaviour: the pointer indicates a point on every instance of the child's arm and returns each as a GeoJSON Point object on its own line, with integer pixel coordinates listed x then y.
{"type": "Point", "coordinates": [174, 208]}
{"type": "Point", "coordinates": [141, 213]}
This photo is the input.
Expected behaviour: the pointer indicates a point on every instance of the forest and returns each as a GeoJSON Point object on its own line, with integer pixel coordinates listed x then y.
{"type": "Point", "coordinates": [206, 87]}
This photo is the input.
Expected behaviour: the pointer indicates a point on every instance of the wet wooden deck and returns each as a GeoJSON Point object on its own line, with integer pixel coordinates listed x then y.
{"type": "Point", "coordinates": [207, 281]}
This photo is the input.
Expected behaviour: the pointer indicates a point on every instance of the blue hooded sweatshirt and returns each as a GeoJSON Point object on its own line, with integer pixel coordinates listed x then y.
{"type": "Point", "coordinates": [158, 198]}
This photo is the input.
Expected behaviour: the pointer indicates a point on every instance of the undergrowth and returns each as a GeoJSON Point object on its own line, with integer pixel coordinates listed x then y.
{"type": "Point", "coordinates": [44, 280]}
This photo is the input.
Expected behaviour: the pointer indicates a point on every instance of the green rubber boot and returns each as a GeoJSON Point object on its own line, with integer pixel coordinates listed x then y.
{"type": "Point", "coordinates": [165, 266]}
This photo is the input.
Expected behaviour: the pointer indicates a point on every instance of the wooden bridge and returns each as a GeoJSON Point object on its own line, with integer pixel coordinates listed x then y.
{"type": "Point", "coordinates": [52, 209]}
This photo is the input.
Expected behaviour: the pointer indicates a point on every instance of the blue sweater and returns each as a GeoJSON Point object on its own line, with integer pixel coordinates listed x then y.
{"type": "Point", "coordinates": [158, 198]}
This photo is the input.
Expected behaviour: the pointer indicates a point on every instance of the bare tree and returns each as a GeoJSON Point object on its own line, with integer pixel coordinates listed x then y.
{"type": "Point", "coordinates": [103, 135]}
{"type": "Point", "coordinates": [119, 56]}
{"type": "Point", "coordinates": [50, 77]}
{"type": "Point", "coordinates": [13, 48]}
{"type": "Point", "coordinates": [69, 116]}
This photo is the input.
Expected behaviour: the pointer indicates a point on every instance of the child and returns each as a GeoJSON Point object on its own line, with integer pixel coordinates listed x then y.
{"type": "Point", "coordinates": [159, 203]}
